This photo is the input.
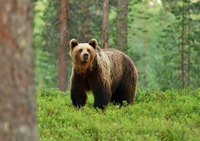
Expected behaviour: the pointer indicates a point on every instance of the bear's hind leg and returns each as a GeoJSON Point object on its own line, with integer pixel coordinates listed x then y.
{"type": "Point", "coordinates": [124, 93]}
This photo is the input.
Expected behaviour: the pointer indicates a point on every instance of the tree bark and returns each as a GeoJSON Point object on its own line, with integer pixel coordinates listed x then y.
{"type": "Point", "coordinates": [63, 45]}
{"type": "Point", "coordinates": [182, 48]}
{"type": "Point", "coordinates": [84, 24]}
{"type": "Point", "coordinates": [122, 14]}
{"type": "Point", "coordinates": [105, 37]}
{"type": "Point", "coordinates": [17, 91]}
{"type": "Point", "coordinates": [189, 47]}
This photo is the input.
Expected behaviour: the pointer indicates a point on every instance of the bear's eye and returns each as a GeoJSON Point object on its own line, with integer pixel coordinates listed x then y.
{"type": "Point", "coordinates": [80, 50]}
{"type": "Point", "coordinates": [88, 50]}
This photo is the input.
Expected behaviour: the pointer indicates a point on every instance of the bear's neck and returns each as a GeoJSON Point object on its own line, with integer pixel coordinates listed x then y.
{"type": "Point", "coordinates": [85, 68]}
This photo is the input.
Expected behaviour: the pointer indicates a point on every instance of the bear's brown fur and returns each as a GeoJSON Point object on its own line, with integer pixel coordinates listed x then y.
{"type": "Point", "coordinates": [108, 73]}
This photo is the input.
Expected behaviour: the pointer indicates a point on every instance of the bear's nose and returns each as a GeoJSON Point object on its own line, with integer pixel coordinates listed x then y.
{"type": "Point", "coordinates": [85, 56]}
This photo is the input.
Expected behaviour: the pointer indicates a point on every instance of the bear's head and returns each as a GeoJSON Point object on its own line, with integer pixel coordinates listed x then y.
{"type": "Point", "coordinates": [83, 54]}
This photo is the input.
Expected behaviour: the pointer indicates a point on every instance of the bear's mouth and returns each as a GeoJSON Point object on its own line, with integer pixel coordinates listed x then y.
{"type": "Point", "coordinates": [85, 58]}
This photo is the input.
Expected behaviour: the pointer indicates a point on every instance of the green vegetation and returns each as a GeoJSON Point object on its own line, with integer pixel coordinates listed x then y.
{"type": "Point", "coordinates": [155, 115]}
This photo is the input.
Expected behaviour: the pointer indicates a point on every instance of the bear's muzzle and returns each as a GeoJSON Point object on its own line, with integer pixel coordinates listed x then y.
{"type": "Point", "coordinates": [85, 56]}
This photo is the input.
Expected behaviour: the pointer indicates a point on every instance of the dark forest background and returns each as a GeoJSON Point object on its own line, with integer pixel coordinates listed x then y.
{"type": "Point", "coordinates": [162, 38]}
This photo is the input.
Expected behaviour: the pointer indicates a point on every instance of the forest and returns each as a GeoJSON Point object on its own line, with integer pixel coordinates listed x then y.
{"type": "Point", "coordinates": [162, 38]}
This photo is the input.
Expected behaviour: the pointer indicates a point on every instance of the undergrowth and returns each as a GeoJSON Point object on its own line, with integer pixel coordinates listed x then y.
{"type": "Point", "coordinates": [155, 115]}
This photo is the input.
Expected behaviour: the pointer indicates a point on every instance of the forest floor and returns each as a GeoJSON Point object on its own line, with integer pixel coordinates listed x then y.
{"type": "Point", "coordinates": [155, 115]}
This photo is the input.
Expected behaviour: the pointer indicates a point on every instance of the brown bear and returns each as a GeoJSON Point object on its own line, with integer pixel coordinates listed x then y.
{"type": "Point", "coordinates": [108, 73]}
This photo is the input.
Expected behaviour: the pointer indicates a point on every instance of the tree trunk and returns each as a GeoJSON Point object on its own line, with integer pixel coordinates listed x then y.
{"type": "Point", "coordinates": [182, 48]}
{"type": "Point", "coordinates": [105, 38]}
{"type": "Point", "coordinates": [189, 47]}
{"type": "Point", "coordinates": [17, 91]}
{"type": "Point", "coordinates": [63, 45]}
{"type": "Point", "coordinates": [84, 24]}
{"type": "Point", "coordinates": [122, 24]}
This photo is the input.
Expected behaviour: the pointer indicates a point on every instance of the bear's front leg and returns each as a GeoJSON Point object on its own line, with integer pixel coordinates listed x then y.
{"type": "Point", "coordinates": [78, 98]}
{"type": "Point", "coordinates": [100, 88]}
{"type": "Point", "coordinates": [78, 90]}
{"type": "Point", "coordinates": [102, 98]}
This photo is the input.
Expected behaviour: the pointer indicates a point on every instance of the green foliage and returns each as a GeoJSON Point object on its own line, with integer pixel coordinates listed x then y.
{"type": "Point", "coordinates": [180, 32]}
{"type": "Point", "coordinates": [46, 41]}
{"type": "Point", "coordinates": [155, 115]}
{"type": "Point", "coordinates": [144, 28]}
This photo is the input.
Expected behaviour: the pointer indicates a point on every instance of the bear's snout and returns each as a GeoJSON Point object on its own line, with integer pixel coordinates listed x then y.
{"type": "Point", "coordinates": [85, 56]}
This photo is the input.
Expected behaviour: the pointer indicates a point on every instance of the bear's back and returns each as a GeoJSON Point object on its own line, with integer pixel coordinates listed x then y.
{"type": "Point", "coordinates": [118, 58]}
{"type": "Point", "coordinates": [119, 66]}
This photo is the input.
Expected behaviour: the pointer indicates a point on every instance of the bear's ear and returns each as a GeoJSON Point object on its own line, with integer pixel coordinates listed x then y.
{"type": "Point", "coordinates": [73, 43]}
{"type": "Point", "coordinates": [93, 43]}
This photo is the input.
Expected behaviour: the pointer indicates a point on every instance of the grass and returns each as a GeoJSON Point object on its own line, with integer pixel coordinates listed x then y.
{"type": "Point", "coordinates": [155, 115]}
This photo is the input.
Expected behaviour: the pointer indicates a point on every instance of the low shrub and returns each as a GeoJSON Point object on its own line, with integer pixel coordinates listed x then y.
{"type": "Point", "coordinates": [155, 115]}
